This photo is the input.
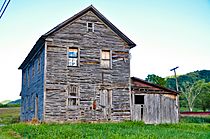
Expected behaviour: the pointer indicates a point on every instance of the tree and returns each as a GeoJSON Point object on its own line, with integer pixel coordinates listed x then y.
{"type": "Point", "coordinates": [156, 80]}
{"type": "Point", "coordinates": [191, 92]}
{"type": "Point", "coordinates": [203, 99]}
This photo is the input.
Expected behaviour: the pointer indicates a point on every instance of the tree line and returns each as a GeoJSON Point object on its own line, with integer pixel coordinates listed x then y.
{"type": "Point", "coordinates": [194, 88]}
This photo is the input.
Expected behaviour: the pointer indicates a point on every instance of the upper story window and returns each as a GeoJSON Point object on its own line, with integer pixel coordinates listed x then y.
{"type": "Point", "coordinates": [24, 76]}
{"type": "Point", "coordinates": [28, 76]}
{"type": "Point", "coordinates": [90, 27]}
{"type": "Point", "coordinates": [105, 59]}
{"type": "Point", "coordinates": [33, 71]}
{"type": "Point", "coordinates": [39, 59]}
{"type": "Point", "coordinates": [73, 95]}
{"type": "Point", "coordinates": [73, 57]}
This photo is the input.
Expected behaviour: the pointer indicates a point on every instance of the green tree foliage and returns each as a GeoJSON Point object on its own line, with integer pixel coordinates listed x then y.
{"type": "Point", "coordinates": [189, 77]}
{"type": "Point", "coordinates": [192, 91]}
{"type": "Point", "coordinates": [156, 80]}
{"type": "Point", "coordinates": [203, 99]}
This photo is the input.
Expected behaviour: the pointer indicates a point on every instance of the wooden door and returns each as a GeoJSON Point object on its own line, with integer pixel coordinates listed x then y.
{"type": "Point", "coordinates": [138, 112]}
{"type": "Point", "coordinates": [138, 107]}
{"type": "Point", "coordinates": [36, 107]}
{"type": "Point", "coordinates": [106, 103]}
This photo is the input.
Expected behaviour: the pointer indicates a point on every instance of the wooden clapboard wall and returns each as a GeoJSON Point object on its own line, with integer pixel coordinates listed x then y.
{"type": "Point", "coordinates": [160, 104]}
{"type": "Point", "coordinates": [89, 75]}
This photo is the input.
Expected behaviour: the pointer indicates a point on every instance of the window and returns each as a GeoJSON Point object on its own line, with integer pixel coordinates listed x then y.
{"type": "Point", "coordinates": [36, 107]}
{"type": "Point", "coordinates": [90, 27]}
{"type": "Point", "coordinates": [105, 59]}
{"type": "Point", "coordinates": [106, 98]}
{"type": "Point", "coordinates": [24, 76]}
{"type": "Point", "coordinates": [33, 72]}
{"type": "Point", "coordinates": [28, 76]}
{"type": "Point", "coordinates": [139, 99]}
{"type": "Point", "coordinates": [39, 59]}
{"type": "Point", "coordinates": [73, 95]}
{"type": "Point", "coordinates": [73, 57]}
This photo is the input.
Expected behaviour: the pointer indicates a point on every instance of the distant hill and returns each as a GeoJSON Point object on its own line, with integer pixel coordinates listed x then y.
{"type": "Point", "coordinates": [189, 77]}
{"type": "Point", "coordinates": [18, 101]}
{"type": "Point", "coordinates": [5, 102]}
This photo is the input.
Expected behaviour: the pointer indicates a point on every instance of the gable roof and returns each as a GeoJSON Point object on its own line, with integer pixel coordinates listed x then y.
{"type": "Point", "coordinates": [41, 40]}
{"type": "Point", "coordinates": [154, 85]}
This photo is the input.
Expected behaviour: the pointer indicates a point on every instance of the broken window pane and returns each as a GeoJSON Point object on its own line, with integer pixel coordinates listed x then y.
{"type": "Point", "coordinates": [73, 57]}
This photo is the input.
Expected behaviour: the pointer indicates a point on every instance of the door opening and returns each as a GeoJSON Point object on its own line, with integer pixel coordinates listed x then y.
{"type": "Point", "coordinates": [36, 107]}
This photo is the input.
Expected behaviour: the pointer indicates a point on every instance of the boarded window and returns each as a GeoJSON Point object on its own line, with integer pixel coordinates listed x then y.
{"type": "Point", "coordinates": [28, 76]}
{"type": "Point", "coordinates": [106, 98]}
{"type": "Point", "coordinates": [24, 77]}
{"type": "Point", "coordinates": [33, 72]}
{"type": "Point", "coordinates": [73, 95]}
{"type": "Point", "coordinates": [139, 99]}
{"type": "Point", "coordinates": [90, 27]}
{"type": "Point", "coordinates": [73, 57]}
{"type": "Point", "coordinates": [105, 59]}
{"type": "Point", "coordinates": [36, 106]}
{"type": "Point", "coordinates": [39, 59]}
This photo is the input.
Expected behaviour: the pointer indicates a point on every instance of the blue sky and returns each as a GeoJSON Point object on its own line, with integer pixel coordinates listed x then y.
{"type": "Point", "coordinates": [168, 33]}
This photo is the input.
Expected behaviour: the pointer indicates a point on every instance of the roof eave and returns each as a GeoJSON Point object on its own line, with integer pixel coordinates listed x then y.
{"type": "Point", "coordinates": [33, 51]}
{"type": "Point", "coordinates": [155, 85]}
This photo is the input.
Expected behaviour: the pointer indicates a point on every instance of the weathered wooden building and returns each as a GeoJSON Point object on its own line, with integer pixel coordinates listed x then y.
{"type": "Point", "coordinates": [152, 103]}
{"type": "Point", "coordinates": [79, 70]}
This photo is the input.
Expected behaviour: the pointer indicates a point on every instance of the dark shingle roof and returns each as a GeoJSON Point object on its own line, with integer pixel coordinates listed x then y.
{"type": "Point", "coordinates": [41, 40]}
{"type": "Point", "coordinates": [153, 85]}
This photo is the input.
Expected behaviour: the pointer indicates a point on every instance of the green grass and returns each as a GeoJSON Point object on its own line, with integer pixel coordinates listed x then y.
{"type": "Point", "coordinates": [9, 115]}
{"type": "Point", "coordinates": [125, 130]}
{"type": "Point", "coordinates": [189, 127]}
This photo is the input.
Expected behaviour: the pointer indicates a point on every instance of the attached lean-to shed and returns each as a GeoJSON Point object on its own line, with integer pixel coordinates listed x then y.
{"type": "Point", "coordinates": [152, 103]}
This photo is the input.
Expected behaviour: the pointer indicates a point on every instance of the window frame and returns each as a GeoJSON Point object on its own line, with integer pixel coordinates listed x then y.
{"type": "Point", "coordinates": [28, 77]}
{"type": "Point", "coordinates": [33, 70]}
{"type": "Point", "coordinates": [90, 29]}
{"type": "Point", "coordinates": [141, 101]}
{"type": "Point", "coordinates": [110, 58]}
{"type": "Point", "coordinates": [78, 56]}
{"type": "Point", "coordinates": [105, 98]}
{"type": "Point", "coordinates": [39, 63]}
{"type": "Point", "coordinates": [73, 89]}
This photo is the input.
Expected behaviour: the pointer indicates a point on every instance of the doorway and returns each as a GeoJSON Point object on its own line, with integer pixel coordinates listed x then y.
{"type": "Point", "coordinates": [36, 107]}
{"type": "Point", "coordinates": [138, 111]}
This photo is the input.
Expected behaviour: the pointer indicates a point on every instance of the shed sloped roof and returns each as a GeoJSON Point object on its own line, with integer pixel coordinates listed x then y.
{"type": "Point", "coordinates": [36, 47]}
{"type": "Point", "coordinates": [142, 83]}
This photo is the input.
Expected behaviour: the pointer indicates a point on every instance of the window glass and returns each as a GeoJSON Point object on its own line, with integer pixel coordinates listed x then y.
{"type": "Point", "coordinates": [73, 57]}
{"type": "Point", "coordinates": [105, 59]}
{"type": "Point", "coordinates": [90, 27]}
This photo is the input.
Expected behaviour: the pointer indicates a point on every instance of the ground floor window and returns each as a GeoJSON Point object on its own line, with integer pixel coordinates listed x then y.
{"type": "Point", "coordinates": [73, 97]}
{"type": "Point", "coordinates": [106, 98]}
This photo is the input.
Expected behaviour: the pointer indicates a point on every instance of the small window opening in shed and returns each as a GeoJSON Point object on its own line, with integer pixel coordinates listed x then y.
{"type": "Point", "coordinates": [90, 27]}
{"type": "Point", "coordinates": [139, 99]}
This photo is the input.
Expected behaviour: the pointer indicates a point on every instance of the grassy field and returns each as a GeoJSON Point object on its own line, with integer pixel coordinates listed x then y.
{"type": "Point", "coordinates": [9, 115]}
{"type": "Point", "coordinates": [124, 130]}
{"type": "Point", "coordinates": [189, 127]}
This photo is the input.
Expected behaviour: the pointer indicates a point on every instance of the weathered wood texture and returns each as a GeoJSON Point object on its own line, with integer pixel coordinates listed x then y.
{"type": "Point", "coordinates": [160, 106]}
{"type": "Point", "coordinates": [88, 75]}
{"type": "Point", "coordinates": [32, 86]}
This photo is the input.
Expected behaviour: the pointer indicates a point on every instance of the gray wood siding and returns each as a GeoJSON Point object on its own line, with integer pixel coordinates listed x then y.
{"type": "Point", "coordinates": [159, 108]}
{"type": "Point", "coordinates": [32, 88]}
{"type": "Point", "coordinates": [88, 75]}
